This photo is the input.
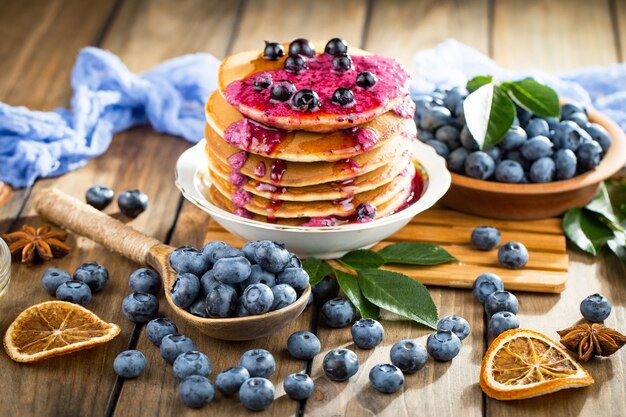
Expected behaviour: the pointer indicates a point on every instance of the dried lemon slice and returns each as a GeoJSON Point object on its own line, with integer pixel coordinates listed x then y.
{"type": "Point", "coordinates": [55, 328]}
{"type": "Point", "coordinates": [523, 363]}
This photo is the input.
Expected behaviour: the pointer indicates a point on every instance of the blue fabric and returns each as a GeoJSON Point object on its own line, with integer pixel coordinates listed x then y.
{"type": "Point", "coordinates": [107, 99]}
{"type": "Point", "coordinates": [452, 63]}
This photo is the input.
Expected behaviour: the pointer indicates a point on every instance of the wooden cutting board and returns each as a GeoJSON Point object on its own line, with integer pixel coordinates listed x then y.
{"type": "Point", "coordinates": [546, 270]}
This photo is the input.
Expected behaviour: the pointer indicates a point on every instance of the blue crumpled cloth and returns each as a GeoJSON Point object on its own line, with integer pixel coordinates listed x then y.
{"type": "Point", "coordinates": [107, 99]}
{"type": "Point", "coordinates": [452, 63]}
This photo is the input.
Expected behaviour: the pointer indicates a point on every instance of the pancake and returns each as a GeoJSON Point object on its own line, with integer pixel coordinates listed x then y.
{"type": "Point", "coordinates": [291, 209]}
{"type": "Point", "coordinates": [389, 93]}
{"type": "Point", "coordinates": [326, 191]}
{"type": "Point", "coordinates": [299, 145]}
{"type": "Point", "coordinates": [300, 174]}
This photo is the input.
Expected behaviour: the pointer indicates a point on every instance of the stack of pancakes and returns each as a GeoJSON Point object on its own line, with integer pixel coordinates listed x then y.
{"type": "Point", "coordinates": [322, 167]}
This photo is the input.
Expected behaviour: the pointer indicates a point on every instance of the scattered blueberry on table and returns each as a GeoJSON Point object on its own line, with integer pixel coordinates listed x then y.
{"type": "Point", "coordinates": [129, 364]}
{"type": "Point", "coordinates": [52, 278]}
{"type": "Point", "coordinates": [140, 307]}
{"type": "Point", "coordinates": [325, 290]}
{"type": "Point", "coordinates": [92, 274]}
{"type": "Point", "coordinates": [303, 345]}
{"type": "Point", "coordinates": [229, 381]}
{"type": "Point", "coordinates": [485, 237]}
{"type": "Point", "coordinates": [408, 355]}
{"type": "Point", "coordinates": [340, 364]}
{"type": "Point", "coordinates": [338, 312]}
{"type": "Point", "coordinates": [256, 393]}
{"type": "Point", "coordinates": [456, 324]}
{"type": "Point", "coordinates": [192, 363]}
{"type": "Point", "coordinates": [443, 345]}
{"type": "Point", "coordinates": [386, 378]}
{"type": "Point", "coordinates": [595, 308]}
{"type": "Point", "coordinates": [367, 333]}
{"type": "Point", "coordinates": [145, 280]}
{"type": "Point", "coordinates": [76, 292]}
{"type": "Point", "coordinates": [99, 196]}
{"type": "Point", "coordinates": [298, 386]}
{"type": "Point", "coordinates": [501, 322]}
{"type": "Point", "coordinates": [157, 329]}
{"type": "Point", "coordinates": [196, 391]}
{"type": "Point", "coordinates": [501, 301]}
{"type": "Point", "coordinates": [173, 345]}
{"type": "Point", "coordinates": [485, 285]}
{"type": "Point", "coordinates": [132, 203]}
{"type": "Point", "coordinates": [513, 255]}
{"type": "Point", "coordinates": [258, 362]}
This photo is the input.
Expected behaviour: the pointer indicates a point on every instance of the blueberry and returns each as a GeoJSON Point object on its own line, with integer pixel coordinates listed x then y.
{"type": "Point", "coordinates": [485, 237]}
{"type": "Point", "coordinates": [232, 270]}
{"type": "Point", "coordinates": [298, 386]}
{"type": "Point", "coordinates": [256, 394]}
{"type": "Point", "coordinates": [479, 165]}
{"type": "Point", "coordinates": [568, 135]}
{"type": "Point", "coordinates": [229, 381]}
{"type": "Point", "coordinates": [192, 363]}
{"type": "Point", "coordinates": [495, 153]}
{"type": "Point", "coordinates": [367, 333]}
{"type": "Point", "coordinates": [129, 364]}
{"type": "Point", "coordinates": [52, 278]}
{"type": "Point", "coordinates": [325, 290]}
{"type": "Point", "coordinates": [259, 276]}
{"type": "Point", "coordinates": [185, 290]}
{"type": "Point", "coordinates": [457, 325]}
{"type": "Point", "coordinates": [340, 364]}
{"type": "Point", "coordinates": [342, 63]}
{"type": "Point", "coordinates": [542, 170]}
{"type": "Point", "coordinates": [295, 64]}
{"type": "Point", "coordinates": [536, 147]}
{"type": "Point", "coordinates": [249, 249]}
{"type": "Point", "coordinates": [284, 295]}
{"type": "Point", "coordinates": [343, 97]}
{"type": "Point", "coordinates": [258, 362]}
{"type": "Point", "coordinates": [196, 391]}
{"type": "Point", "coordinates": [439, 147]}
{"type": "Point", "coordinates": [459, 112]}
{"type": "Point", "coordinates": [366, 79]}
{"type": "Point", "coordinates": [241, 310]}
{"type": "Point", "coordinates": [132, 203]}
{"type": "Point", "coordinates": [537, 127]}
{"type": "Point", "coordinates": [174, 345]}
{"type": "Point", "coordinates": [336, 47]}
{"type": "Point", "coordinates": [449, 135]}
{"type": "Point", "coordinates": [595, 308]}
{"type": "Point", "coordinates": [140, 307]}
{"type": "Point", "coordinates": [600, 135]}
{"type": "Point", "coordinates": [579, 118]}
{"type": "Point", "coordinates": [456, 160]}
{"type": "Point", "coordinates": [257, 298]}
{"type": "Point", "coordinates": [99, 196]}
{"type": "Point", "coordinates": [273, 51]}
{"type": "Point", "coordinates": [145, 280]}
{"type": "Point", "coordinates": [76, 292]}
{"type": "Point", "coordinates": [213, 251]}
{"type": "Point", "coordinates": [568, 109]}
{"type": "Point", "coordinates": [523, 115]}
{"type": "Point", "coordinates": [297, 278]}
{"type": "Point", "coordinates": [271, 256]}
{"type": "Point", "coordinates": [552, 122]}
{"type": "Point", "coordinates": [294, 261]}
{"type": "Point", "coordinates": [501, 322]}
{"type": "Point", "coordinates": [221, 301]}
{"type": "Point", "coordinates": [517, 157]}
{"type": "Point", "coordinates": [514, 139]}
{"type": "Point", "coordinates": [157, 329]}
{"type": "Point", "coordinates": [513, 255]}
{"type": "Point", "coordinates": [261, 82]}
{"type": "Point", "coordinates": [434, 117]}
{"type": "Point", "coordinates": [282, 91]}
{"type": "Point", "coordinates": [386, 378]}
{"type": "Point", "coordinates": [565, 164]}
{"type": "Point", "coordinates": [305, 99]}
{"type": "Point", "coordinates": [303, 345]}
{"type": "Point", "coordinates": [443, 345]}
{"type": "Point", "coordinates": [302, 46]}
{"type": "Point", "coordinates": [509, 171]}
{"type": "Point", "coordinates": [208, 282]}
{"type": "Point", "coordinates": [408, 355]}
{"type": "Point", "coordinates": [365, 212]}
{"type": "Point", "coordinates": [501, 301]}
{"type": "Point", "coordinates": [485, 285]}
{"type": "Point", "coordinates": [189, 260]}
{"type": "Point", "coordinates": [198, 307]}
{"type": "Point", "coordinates": [92, 274]}
{"type": "Point", "coordinates": [425, 135]}
{"type": "Point", "coordinates": [588, 155]}
{"type": "Point", "coordinates": [338, 312]}
{"type": "Point", "coordinates": [454, 96]}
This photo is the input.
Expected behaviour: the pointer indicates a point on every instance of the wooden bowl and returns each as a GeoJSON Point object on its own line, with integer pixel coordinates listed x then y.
{"type": "Point", "coordinates": [534, 201]}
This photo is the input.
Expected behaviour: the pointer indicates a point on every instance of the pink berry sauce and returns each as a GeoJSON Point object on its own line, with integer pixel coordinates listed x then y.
{"type": "Point", "coordinates": [254, 137]}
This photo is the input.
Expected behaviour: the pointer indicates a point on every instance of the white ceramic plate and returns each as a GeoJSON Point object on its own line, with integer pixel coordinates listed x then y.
{"type": "Point", "coordinates": [319, 242]}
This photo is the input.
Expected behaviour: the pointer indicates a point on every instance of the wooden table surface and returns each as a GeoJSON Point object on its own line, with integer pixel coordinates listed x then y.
{"type": "Point", "coordinates": [38, 44]}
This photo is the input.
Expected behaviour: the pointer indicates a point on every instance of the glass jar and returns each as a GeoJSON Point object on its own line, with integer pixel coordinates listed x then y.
{"type": "Point", "coordinates": [5, 267]}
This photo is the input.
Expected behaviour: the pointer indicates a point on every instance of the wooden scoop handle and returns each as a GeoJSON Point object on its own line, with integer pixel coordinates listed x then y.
{"type": "Point", "coordinates": [84, 220]}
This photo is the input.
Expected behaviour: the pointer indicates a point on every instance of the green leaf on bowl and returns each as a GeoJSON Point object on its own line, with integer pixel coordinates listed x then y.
{"type": "Point", "coordinates": [316, 268]}
{"type": "Point", "coordinates": [362, 259]}
{"type": "Point", "coordinates": [478, 81]}
{"type": "Point", "coordinates": [350, 287]}
{"type": "Point", "coordinates": [586, 231]}
{"type": "Point", "coordinates": [415, 253]}
{"type": "Point", "coordinates": [489, 113]}
{"type": "Point", "coordinates": [399, 294]}
{"type": "Point", "coordinates": [534, 97]}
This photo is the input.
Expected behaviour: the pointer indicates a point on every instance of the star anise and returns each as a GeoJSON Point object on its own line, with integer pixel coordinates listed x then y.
{"type": "Point", "coordinates": [592, 340]}
{"type": "Point", "coordinates": [31, 244]}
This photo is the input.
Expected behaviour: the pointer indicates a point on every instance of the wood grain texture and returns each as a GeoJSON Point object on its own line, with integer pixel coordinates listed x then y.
{"type": "Point", "coordinates": [618, 12]}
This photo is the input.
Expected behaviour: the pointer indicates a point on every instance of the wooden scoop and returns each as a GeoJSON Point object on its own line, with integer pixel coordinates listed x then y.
{"type": "Point", "coordinates": [84, 220]}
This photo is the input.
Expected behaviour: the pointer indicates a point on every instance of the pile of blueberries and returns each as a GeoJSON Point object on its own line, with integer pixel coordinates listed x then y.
{"type": "Point", "coordinates": [78, 288]}
{"type": "Point", "coordinates": [534, 150]}
{"type": "Point", "coordinates": [501, 306]}
{"type": "Point", "coordinates": [221, 281]}
{"type": "Point", "coordinates": [131, 203]}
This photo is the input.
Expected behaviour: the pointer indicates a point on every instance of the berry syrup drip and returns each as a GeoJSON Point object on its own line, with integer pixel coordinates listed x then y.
{"type": "Point", "coordinates": [259, 171]}
{"type": "Point", "coordinates": [236, 162]}
{"type": "Point", "coordinates": [242, 212]}
{"type": "Point", "coordinates": [346, 166]}
{"type": "Point", "coordinates": [323, 79]}
{"type": "Point", "coordinates": [277, 170]}
{"type": "Point", "coordinates": [346, 204]}
{"type": "Point", "coordinates": [346, 187]}
{"type": "Point", "coordinates": [417, 189]}
{"type": "Point", "coordinates": [241, 197]}
{"type": "Point", "coordinates": [255, 137]}
{"type": "Point", "coordinates": [271, 208]}
{"type": "Point", "coordinates": [364, 137]}
{"type": "Point", "coordinates": [270, 188]}
{"type": "Point", "coordinates": [238, 179]}
{"type": "Point", "coordinates": [406, 109]}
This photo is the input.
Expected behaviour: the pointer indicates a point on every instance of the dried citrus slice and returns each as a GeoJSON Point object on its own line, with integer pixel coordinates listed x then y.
{"type": "Point", "coordinates": [55, 328]}
{"type": "Point", "coordinates": [523, 363]}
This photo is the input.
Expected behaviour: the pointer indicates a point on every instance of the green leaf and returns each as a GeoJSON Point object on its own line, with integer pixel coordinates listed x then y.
{"type": "Point", "coordinates": [534, 97]}
{"type": "Point", "coordinates": [617, 195]}
{"type": "Point", "coordinates": [317, 269]}
{"type": "Point", "coordinates": [489, 113]}
{"type": "Point", "coordinates": [586, 231]}
{"type": "Point", "coordinates": [350, 287]}
{"type": "Point", "coordinates": [362, 259]}
{"type": "Point", "coordinates": [399, 294]}
{"type": "Point", "coordinates": [601, 204]}
{"type": "Point", "coordinates": [478, 81]}
{"type": "Point", "coordinates": [617, 245]}
{"type": "Point", "coordinates": [415, 253]}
